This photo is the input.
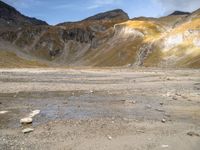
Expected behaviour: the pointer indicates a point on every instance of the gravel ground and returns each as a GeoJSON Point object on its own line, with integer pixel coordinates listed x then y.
{"type": "Point", "coordinates": [83, 109]}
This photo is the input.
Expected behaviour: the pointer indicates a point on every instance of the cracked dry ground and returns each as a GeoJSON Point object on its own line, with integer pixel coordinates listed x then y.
{"type": "Point", "coordinates": [145, 109]}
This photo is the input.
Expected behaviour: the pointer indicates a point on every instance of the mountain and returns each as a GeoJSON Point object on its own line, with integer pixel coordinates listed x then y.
{"type": "Point", "coordinates": [10, 17]}
{"type": "Point", "coordinates": [175, 13]}
{"type": "Point", "coordinates": [107, 39]}
{"type": "Point", "coordinates": [110, 15]}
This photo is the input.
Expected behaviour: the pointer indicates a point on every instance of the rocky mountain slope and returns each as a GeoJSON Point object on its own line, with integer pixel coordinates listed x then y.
{"type": "Point", "coordinates": [10, 17]}
{"type": "Point", "coordinates": [109, 39]}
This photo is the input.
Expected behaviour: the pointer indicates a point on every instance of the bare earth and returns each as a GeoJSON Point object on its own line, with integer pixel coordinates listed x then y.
{"type": "Point", "coordinates": [100, 109]}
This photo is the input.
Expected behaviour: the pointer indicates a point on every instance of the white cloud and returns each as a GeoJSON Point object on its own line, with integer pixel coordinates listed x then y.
{"type": "Point", "coordinates": [101, 3]}
{"type": "Point", "coordinates": [183, 5]}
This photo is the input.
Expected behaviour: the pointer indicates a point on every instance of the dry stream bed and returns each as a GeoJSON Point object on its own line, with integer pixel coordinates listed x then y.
{"type": "Point", "coordinates": [125, 109]}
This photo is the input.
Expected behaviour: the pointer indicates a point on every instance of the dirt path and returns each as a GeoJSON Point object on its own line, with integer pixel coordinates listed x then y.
{"type": "Point", "coordinates": [100, 109]}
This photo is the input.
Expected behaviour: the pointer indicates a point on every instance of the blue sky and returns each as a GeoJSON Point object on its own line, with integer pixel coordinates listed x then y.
{"type": "Point", "coordinates": [57, 11]}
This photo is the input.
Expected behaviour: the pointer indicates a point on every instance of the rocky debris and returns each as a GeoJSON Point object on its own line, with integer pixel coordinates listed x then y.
{"type": "Point", "coordinates": [27, 120]}
{"type": "Point", "coordinates": [3, 112]}
{"type": "Point", "coordinates": [27, 130]}
{"type": "Point", "coordinates": [191, 133]}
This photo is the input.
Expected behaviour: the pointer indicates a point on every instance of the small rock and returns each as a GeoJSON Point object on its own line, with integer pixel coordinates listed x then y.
{"type": "Point", "coordinates": [109, 137]}
{"type": "Point", "coordinates": [168, 94]}
{"type": "Point", "coordinates": [27, 130]}
{"type": "Point", "coordinates": [129, 102]}
{"type": "Point", "coordinates": [163, 120]}
{"type": "Point", "coordinates": [3, 112]}
{"type": "Point", "coordinates": [0, 103]}
{"type": "Point", "coordinates": [174, 98]}
{"type": "Point", "coordinates": [164, 146]}
{"type": "Point", "coordinates": [193, 134]}
{"type": "Point", "coordinates": [34, 113]}
{"type": "Point", "coordinates": [26, 120]}
{"type": "Point", "coordinates": [178, 94]}
{"type": "Point", "coordinates": [91, 91]}
{"type": "Point", "coordinates": [161, 104]}
{"type": "Point", "coordinates": [148, 106]}
{"type": "Point", "coordinates": [160, 110]}
{"type": "Point", "coordinates": [140, 131]}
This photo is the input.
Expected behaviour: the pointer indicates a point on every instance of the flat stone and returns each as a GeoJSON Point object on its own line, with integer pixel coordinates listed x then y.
{"type": "Point", "coordinates": [3, 112]}
{"type": "Point", "coordinates": [164, 146]}
{"type": "Point", "coordinates": [27, 130]}
{"type": "Point", "coordinates": [160, 110]}
{"type": "Point", "coordinates": [27, 120]}
{"type": "Point", "coordinates": [34, 113]}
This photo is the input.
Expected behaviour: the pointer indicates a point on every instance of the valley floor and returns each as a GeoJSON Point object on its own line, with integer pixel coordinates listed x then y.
{"type": "Point", "coordinates": [100, 109]}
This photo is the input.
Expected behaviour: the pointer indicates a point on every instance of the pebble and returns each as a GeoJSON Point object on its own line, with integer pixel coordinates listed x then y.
{"type": "Point", "coordinates": [163, 120]}
{"type": "Point", "coordinates": [27, 130]}
{"type": "Point", "coordinates": [109, 137]}
{"type": "Point", "coordinates": [3, 112]}
{"type": "Point", "coordinates": [164, 146]}
{"type": "Point", "coordinates": [193, 134]}
{"type": "Point", "coordinates": [148, 106]}
{"type": "Point", "coordinates": [140, 131]}
{"type": "Point", "coordinates": [129, 102]}
{"type": "Point", "coordinates": [27, 120]}
{"type": "Point", "coordinates": [160, 110]}
{"type": "Point", "coordinates": [161, 104]}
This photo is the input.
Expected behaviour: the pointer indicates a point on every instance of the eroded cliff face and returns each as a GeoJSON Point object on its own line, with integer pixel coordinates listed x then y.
{"type": "Point", "coordinates": [111, 39]}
